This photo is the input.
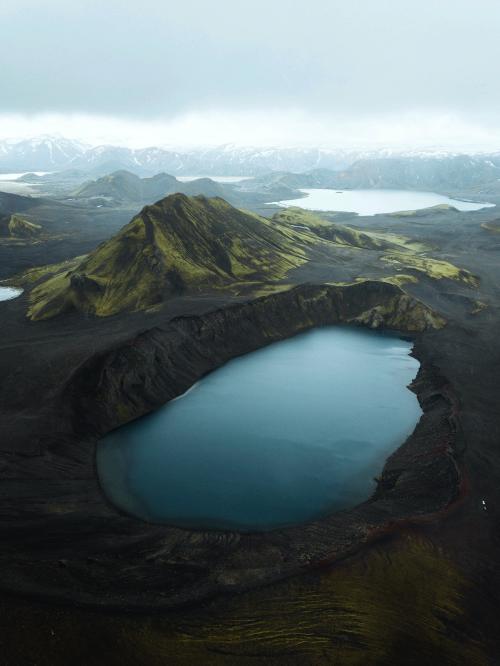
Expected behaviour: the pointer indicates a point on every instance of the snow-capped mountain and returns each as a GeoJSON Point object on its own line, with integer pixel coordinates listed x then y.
{"type": "Point", "coordinates": [44, 153]}
{"type": "Point", "coordinates": [53, 154]}
{"type": "Point", "coordinates": [222, 161]}
{"type": "Point", "coordinates": [48, 153]}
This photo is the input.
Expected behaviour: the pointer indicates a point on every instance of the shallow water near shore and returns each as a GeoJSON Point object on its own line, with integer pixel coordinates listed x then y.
{"type": "Point", "coordinates": [277, 437]}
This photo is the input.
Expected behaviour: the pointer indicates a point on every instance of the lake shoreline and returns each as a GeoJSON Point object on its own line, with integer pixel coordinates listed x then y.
{"type": "Point", "coordinates": [370, 202]}
{"type": "Point", "coordinates": [119, 560]}
{"type": "Point", "coordinates": [284, 467]}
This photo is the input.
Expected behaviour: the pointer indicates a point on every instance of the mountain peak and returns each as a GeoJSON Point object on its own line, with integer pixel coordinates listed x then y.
{"type": "Point", "coordinates": [179, 244]}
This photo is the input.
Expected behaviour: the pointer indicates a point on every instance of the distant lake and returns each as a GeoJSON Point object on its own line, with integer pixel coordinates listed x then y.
{"type": "Point", "coordinates": [8, 293]}
{"type": "Point", "coordinates": [373, 202]}
{"type": "Point", "coordinates": [217, 179]}
{"type": "Point", "coordinates": [279, 436]}
{"type": "Point", "coordinates": [8, 183]}
{"type": "Point", "coordinates": [14, 176]}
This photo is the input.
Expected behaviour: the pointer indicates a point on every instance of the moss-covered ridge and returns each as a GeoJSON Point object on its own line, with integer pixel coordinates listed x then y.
{"type": "Point", "coordinates": [340, 234]}
{"type": "Point", "coordinates": [399, 251]}
{"type": "Point", "coordinates": [183, 245]}
{"type": "Point", "coordinates": [177, 245]}
{"type": "Point", "coordinates": [493, 226]}
{"type": "Point", "coordinates": [17, 226]}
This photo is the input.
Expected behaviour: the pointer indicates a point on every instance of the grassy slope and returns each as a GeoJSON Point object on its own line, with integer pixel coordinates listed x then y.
{"type": "Point", "coordinates": [397, 250]}
{"type": "Point", "coordinates": [339, 233]}
{"type": "Point", "coordinates": [17, 226]}
{"type": "Point", "coordinates": [176, 245]}
{"type": "Point", "coordinates": [401, 603]}
{"type": "Point", "coordinates": [493, 227]}
{"type": "Point", "coordinates": [186, 244]}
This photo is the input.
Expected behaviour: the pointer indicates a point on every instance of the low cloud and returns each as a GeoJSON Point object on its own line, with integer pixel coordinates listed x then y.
{"type": "Point", "coordinates": [401, 131]}
{"type": "Point", "coordinates": [266, 72]}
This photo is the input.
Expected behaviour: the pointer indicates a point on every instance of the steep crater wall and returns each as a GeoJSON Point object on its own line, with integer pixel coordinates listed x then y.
{"type": "Point", "coordinates": [130, 380]}
{"type": "Point", "coordinates": [95, 555]}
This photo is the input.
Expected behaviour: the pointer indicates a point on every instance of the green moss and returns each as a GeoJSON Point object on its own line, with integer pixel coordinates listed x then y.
{"type": "Point", "coordinates": [436, 269]}
{"type": "Point", "coordinates": [493, 227]}
{"type": "Point", "coordinates": [344, 235]}
{"type": "Point", "coordinates": [20, 227]}
{"type": "Point", "coordinates": [400, 279]}
{"type": "Point", "coordinates": [382, 608]}
{"type": "Point", "coordinates": [192, 244]}
{"type": "Point", "coordinates": [178, 244]}
{"type": "Point", "coordinates": [34, 275]}
{"type": "Point", "coordinates": [479, 306]}
{"type": "Point", "coordinates": [421, 212]}
{"type": "Point", "coordinates": [402, 602]}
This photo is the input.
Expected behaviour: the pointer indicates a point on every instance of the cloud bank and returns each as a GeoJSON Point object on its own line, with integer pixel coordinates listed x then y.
{"type": "Point", "coordinates": [328, 72]}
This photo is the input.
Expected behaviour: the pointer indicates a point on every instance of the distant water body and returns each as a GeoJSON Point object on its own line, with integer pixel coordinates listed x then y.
{"type": "Point", "coordinates": [15, 176]}
{"type": "Point", "coordinates": [8, 183]}
{"type": "Point", "coordinates": [217, 179]}
{"type": "Point", "coordinates": [373, 202]}
{"type": "Point", "coordinates": [276, 437]}
{"type": "Point", "coordinates": [8, 293]}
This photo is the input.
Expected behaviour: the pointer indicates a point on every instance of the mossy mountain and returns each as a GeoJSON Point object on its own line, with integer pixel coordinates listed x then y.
{"type": "Point", "coordinates": [180, 244]}
{"type": "Point", "coordinates": [187, 245]}
{"type": "Point", "coordinates": [124, 187]}
{"type": "Point", "coordinates": [17, 226]}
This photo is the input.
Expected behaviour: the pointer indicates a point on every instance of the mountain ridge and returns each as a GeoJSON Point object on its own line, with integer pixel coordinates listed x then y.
{"type": "Point", "coordinates": [56, 153]}
{"type": "Point", "coordinates": [197, 245]}
{"type": "Point", "coordinates": [179, 244]}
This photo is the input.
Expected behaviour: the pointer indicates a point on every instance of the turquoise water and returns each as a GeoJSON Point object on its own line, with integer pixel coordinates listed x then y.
{"type": "Point", "coordinates": [275, 437]}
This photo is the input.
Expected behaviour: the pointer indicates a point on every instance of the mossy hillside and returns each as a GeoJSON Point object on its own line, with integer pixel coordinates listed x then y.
{"type": "Point", "coordinates": [179, 244]}
{"type": "Point", "coordinates": [186, 244]}
{"type": "Point", "coordinates": [399, 603]}
{"type": "Point", "coordinates": [423, 212]}
{"type": "Point", "coordinates": [397, 250]}
{"type": "Point", "coordinates": [400, 279]}
{"type": "Point", "coordinates": [17, 226]}
{"type": "Point", "coordinates": [493, 227]}
{"type": "Point", "coordinates": [341, 234]}
{"type": "Point", "coordinates": [437, 269]}
{"type": "Point", "coordinates": [30, 277]}
{"type": "Point", "coordinates": [116, 185]}
{"type": "Point", "coordinates": [123, 186]}
{"type": "Point", "coordinates": [20, 227]}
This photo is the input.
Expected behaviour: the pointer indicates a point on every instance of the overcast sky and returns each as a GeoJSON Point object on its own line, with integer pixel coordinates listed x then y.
{"type": "Point", "coordinates": [413, 72]}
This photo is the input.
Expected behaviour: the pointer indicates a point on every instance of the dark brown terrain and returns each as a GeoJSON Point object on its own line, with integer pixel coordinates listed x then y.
{"type": "Point", "coordinates": [411, 576]}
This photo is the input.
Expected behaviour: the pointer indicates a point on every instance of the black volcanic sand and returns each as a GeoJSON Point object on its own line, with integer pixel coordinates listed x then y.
{"type": "Point", "coordinates": [422, 587]}
{"type": "Point", "coordinates": [68, 230]}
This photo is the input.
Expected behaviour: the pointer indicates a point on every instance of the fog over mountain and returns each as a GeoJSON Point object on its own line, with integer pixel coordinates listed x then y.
{"type": "Point", "coordinates": [261, 74]}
